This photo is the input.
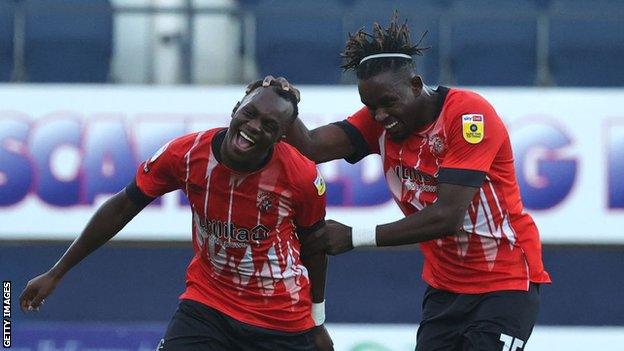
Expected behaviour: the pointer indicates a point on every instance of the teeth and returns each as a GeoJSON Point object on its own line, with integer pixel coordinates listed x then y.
{"type": "Point", "coordinates": [391, 125]}
{"type": "Point", "coordinates": [246, 137]}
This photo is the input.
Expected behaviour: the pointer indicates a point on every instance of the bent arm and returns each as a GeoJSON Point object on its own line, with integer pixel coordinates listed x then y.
{"type": "Point", "coordinates": [107, 221]}
{"type": "Point", "coordinates": [315, 263]}
{"type": "Point", "coordinates": [443, 218]}
{"type": "Point", "coordinates": [322, 144]}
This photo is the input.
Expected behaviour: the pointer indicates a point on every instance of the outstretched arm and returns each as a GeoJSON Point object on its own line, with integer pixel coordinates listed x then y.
{"type": "Point", "coordinates": [325, 143]}
{"type": "Point", "coordinates": [107, 221]}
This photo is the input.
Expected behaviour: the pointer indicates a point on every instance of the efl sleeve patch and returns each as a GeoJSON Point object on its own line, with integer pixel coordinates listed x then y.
{"type": "Point", "coordinates": [472, 128]}
{"type": "Point", "coordinates": [319, 183]}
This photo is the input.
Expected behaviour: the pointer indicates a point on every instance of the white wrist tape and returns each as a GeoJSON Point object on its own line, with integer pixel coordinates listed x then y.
{"type": "Point", "coordinates": [318, 313]}
{"type": "Point", "coordinates": [363, 237]}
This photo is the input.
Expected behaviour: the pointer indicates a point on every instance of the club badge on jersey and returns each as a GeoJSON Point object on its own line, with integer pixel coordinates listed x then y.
{"type": "Point", "coordinates": [472, 126]}
{"type": "Point", "coordinates": [319, 183]}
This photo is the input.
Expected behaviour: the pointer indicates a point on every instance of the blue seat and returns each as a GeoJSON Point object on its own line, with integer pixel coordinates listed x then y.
{"type": "Point", "coordinates": [493, 42]}
{"type": "Point", "coordinates": [6, 40]}
{"type": "Point", "coordinates": [421, 16]}
{"type": "Point", "coordinates": [68, 40]}
{"type": "Point", "coordinates": [586, 42]}
{"type": "Point", "coordinates": [299, 40]}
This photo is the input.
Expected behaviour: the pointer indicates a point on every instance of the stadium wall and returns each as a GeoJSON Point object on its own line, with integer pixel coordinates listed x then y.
{"type": "Point", "coordinates": [64, 149]}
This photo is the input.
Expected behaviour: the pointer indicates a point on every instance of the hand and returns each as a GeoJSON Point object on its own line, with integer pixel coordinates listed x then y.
{"type": "Point", "coordinates": [279, 81]}
{"type": "Point", "coordinates": [322, 340]}
{"type": "Point", "coordinates": [333, 238]}
{"type": "Point", "coordinates": [37, 290]}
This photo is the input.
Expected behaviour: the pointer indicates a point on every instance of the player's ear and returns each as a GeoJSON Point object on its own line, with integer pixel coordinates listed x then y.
{"type": "Point", "coordinates": [235, 108]}
{"type": "Point", "coordinates": [417, 85]}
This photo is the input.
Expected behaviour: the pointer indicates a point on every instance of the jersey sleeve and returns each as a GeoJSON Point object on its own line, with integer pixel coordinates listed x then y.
{"type": "Point", "coordinates": [474, 135]}
{"type": "Point", "coordinates": [164, 171]}
{"type": "Point", "coordinates": [311, 201]}
{"type": "Point", "coordinates": [363, 132]}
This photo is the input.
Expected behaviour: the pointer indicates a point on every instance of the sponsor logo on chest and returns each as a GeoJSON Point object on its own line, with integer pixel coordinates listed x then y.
{"type": "Point", "coordinates": [415, 180]}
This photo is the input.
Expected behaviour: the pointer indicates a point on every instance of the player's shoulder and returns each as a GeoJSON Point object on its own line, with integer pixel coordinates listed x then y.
{"type": "Point", "coordinates": [462, 99]}
{"type": "Point", "coordinates": [291, 157]}
{"type": "Point", "coordinates": [180, 145]}
{"type": "Point", "coordinates": [301, 172]}
{"type": "Point", "coordinates": [463, 102]}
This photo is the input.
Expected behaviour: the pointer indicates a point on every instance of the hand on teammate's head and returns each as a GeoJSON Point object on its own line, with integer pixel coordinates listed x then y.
{"type": "Point", "coordinates": [280, 82]}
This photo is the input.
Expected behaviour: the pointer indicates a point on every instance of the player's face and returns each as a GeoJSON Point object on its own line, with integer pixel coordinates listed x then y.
{"type": "Point", "coordinates": [257, 124]}
{"type": "Point", "coordinates": [392, 99]}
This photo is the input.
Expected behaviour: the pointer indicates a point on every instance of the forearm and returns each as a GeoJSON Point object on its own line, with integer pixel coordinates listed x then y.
{"type": "Point", "coordinates": [428, 224]}
{"type": "Point", "coordinates": [299, 136]}
{"type": "Point", "coordinates": [107, 221]}
{"type": "Point", "coordinates": [325, 143]}
{"type": "Point", "coordinates": [317, 271]}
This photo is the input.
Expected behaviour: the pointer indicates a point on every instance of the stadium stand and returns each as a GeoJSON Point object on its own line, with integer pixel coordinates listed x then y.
{"type": "Point", "coordinates": [6, 40]}
{"type": "Point", "coordinates": [473, 42]}
{"type": "Point", "coordinates": [586, 42]}
{"type": "Point", "coordinates": [300, 40]}
{"type": "Point", "coordinates": [493, 42]}
{"type": "Point", "coordinates": [68, 40]}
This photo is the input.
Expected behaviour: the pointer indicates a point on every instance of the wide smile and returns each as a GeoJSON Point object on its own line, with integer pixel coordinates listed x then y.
{"type": "Point", "coordinates": [243, 141]}
{"type": "Point", "coordinates": [388, 126]}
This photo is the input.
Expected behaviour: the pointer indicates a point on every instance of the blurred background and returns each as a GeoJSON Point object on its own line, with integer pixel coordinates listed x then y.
{"type": "Point", "coordinates": [91, 88]}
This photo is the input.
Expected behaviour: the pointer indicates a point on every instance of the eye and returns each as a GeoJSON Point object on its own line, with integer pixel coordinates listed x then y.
{"type": "Point", "coordinates": [271, 126]}
{"type": "Point", "coordinates": [387, 102]}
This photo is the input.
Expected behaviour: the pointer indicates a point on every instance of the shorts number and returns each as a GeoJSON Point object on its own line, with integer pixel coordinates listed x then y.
{"type": "Point", "coordinates": [511, 343]}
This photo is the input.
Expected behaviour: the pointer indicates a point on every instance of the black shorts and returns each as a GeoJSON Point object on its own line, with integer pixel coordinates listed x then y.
{"type": "Point", "coordinates": [197, 327]}
{"type": "Point", "coordinates": [496, 321]}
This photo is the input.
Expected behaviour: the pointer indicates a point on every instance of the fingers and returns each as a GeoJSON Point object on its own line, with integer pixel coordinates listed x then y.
{"type": "Point", "coordinates": [267, 80]}
{"type": "Point", "coordinates": [37, 302]}
{"type": "Point", "coordinates": [30, 300]}
{"type": "Point", "coordinates": [253, 85]}
{"type": "Point", "coordinates": [24, 299]}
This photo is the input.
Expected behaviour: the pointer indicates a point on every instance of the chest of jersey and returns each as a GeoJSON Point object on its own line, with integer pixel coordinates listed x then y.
{"type": "Point", "coordinates": [236, 210]}
{"type": "Point", "coordinates": [411, 168]}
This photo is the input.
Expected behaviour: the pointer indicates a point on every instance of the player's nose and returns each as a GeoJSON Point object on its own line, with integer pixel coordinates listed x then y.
{"type": "Point", "coordinates": [254, 125]}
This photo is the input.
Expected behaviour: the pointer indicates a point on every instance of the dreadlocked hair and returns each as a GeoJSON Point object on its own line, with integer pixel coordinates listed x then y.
{"type": "Point", "coordinates": [394, 39]}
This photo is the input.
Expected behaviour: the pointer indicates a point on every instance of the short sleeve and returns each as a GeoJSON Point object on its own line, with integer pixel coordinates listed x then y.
{"type": "Point", "coordinates": [311, 202]}
{"type": "Point", "coordinates": [364, 134]}
{"type": "Point", "coordinates": [474, 137]}
{"type": "Point", "coordinates": [162, 173]}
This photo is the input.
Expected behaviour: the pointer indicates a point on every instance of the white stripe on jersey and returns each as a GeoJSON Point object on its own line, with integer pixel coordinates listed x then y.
{"type": "Point", "coordinates": [212, 164]}
{"type": "Point", "coordinates": [490, 250]}
{"type": "Point", "coordinates": [187, 157]}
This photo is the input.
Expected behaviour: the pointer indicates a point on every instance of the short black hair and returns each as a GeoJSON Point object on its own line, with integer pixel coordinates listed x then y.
{"type": "Point", "coordinates": [285, 94]}
{"type": "Point", "coordinates": [393, 39]}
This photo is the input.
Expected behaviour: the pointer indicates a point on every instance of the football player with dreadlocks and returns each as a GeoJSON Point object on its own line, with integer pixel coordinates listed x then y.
{"type": "Point", "coordinates": [448, 162]}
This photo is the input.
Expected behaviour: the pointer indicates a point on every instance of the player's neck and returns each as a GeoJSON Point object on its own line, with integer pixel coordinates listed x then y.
{"type": "Point", "coordinates": [244, 165]}
{"type": "Point", "coordinates": [432, 103]}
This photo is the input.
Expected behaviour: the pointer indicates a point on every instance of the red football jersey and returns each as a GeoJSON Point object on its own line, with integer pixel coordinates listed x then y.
{"type": "Point", "coordinates": [500, 249]}
{"type": "Point", "coordinates": [246, 262]}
